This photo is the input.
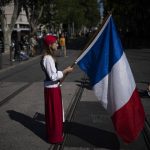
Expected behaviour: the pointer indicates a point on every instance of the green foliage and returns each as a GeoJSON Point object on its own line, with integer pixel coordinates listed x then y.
{"type": "Point", "coordinates": [79, 12]}
{"type": "Point", "coordinates": [91, 12]}
{"type": "Point", "coordinates": [34, 6]}
{"type": "Point", "coordinates": [4, 2]}
{"type": "Point", "coordinates": [131, 14]}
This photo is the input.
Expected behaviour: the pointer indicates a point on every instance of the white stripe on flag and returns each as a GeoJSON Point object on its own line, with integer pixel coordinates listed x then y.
{"type": "Point", "coordinates": [115, 89]}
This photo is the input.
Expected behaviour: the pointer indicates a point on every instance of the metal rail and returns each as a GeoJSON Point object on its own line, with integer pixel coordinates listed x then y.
{"type": "Point", "coordinates": [146, 134]}
{"type": "Point", "coordinates": [7, 99]}
{"type": "Point", "coordinates": [70, 113]}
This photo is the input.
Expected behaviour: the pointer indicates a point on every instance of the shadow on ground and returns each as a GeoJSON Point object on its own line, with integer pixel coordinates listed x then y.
{"type": "Point", "coordinates": [94, 136]}
{"type": "Point", "coordinates": [32, 124]}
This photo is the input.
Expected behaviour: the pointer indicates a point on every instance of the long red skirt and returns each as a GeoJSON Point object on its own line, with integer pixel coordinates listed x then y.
{"type": "Point", "coordinates": [53, 114]}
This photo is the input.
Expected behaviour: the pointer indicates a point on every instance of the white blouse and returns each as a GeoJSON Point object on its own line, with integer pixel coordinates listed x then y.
{"type": "Point", "coordinates": [52, 72]}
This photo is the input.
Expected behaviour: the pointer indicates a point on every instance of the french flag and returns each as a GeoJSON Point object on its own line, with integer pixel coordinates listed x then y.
{"type": "Point", "coordinates": [107, 67]}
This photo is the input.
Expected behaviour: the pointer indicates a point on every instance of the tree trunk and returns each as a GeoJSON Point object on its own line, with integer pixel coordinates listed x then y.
{"type": "Point", "coordinates": [33, 21]}
{"type": "Point", "coordinates": [7, 40]}
{"type": "Point", "coordinates": [7, 29]}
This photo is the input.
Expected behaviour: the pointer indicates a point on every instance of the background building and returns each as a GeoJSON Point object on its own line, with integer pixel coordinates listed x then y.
{"type": "Point", "coordinates": [22, 25]}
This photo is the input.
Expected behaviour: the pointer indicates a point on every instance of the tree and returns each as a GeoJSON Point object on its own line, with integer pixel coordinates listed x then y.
{"type": "Point", "coordinates": [34, 11]}
{"type": "Point", "coordinates": [8, 28]}
{"type": "Point", "coordinates": [79, 12]}
{"type": "Point", "coordinates": [49, 15]}
{"type": "Point", "coordinates": [91, 12]}
{"type": "Point", "coordinates": [131, 16]}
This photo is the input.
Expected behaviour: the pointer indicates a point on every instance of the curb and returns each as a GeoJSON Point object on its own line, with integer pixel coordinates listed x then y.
{"type": "Point", "coordinates": [18, 64]}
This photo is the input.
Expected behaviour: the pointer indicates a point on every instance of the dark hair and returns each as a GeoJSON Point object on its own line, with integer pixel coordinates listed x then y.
{"type": "Point", "coordinates": [48, 50]}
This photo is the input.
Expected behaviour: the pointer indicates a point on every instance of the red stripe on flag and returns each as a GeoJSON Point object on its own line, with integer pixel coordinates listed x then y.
{"type": "Point", "coordinates": [129, 120]}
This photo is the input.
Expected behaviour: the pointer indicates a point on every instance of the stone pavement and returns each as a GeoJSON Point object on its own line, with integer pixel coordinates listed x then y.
{"type": "Point", "coordinates": [22, 119]}
{"type": "Point", "coordinates": [7, 64]}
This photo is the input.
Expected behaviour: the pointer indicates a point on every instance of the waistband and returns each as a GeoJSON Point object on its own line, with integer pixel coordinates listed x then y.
{"type": "Point", "coordinates": [51, 84]}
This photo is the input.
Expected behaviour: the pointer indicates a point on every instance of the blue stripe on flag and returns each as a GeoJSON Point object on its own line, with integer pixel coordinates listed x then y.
{"type": "Point", "coordinates": [104, 53]}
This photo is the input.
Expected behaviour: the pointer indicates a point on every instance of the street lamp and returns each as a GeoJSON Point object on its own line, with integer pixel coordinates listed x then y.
{"type": "Point", "coordinates": [101, 9]}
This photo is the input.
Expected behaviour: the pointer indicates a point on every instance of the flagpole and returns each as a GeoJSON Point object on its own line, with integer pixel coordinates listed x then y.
{"type": "Point", "coordinates": [89, 42]}
{"type": "Point", "coordinates": [92, 37]}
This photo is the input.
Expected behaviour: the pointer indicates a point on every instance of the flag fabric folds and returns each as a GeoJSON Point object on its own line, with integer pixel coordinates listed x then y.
{"type": "Point", "coordinates": [106, 65]}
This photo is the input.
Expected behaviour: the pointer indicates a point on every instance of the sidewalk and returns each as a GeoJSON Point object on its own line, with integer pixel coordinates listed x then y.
{"type": "Point", "coordinates": [72, 44]}
{"type": "Point", "coordinates": [7, 64]}
{"type": "Point", "coordinates": [22, 120]}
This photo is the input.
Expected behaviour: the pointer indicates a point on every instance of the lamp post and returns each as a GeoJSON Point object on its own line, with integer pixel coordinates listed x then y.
{"type": "Point", "coordinates": [101, 9]}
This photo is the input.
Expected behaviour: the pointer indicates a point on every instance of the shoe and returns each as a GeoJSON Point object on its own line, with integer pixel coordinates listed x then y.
{"type": "Point", "coordinates": [57, 143]}
{"type": "Point", "coordinates": [60, 85]}
{"type": "Point", "coordinates": [13, 60]}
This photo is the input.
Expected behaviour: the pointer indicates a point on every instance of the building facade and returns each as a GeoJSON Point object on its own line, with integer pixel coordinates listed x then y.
{"type": "Point", "coordinates": [22, 24]}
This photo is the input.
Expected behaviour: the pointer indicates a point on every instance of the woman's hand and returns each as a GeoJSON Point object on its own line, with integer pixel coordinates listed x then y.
{"type": "Point", "coordinates": [67, 70]}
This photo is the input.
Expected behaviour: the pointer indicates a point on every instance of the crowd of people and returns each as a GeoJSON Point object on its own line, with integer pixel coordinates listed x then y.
{"type": "Point", "coordinates": [30, 46]}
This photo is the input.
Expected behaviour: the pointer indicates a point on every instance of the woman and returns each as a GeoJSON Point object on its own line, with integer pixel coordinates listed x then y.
{"type": "Point", "coordinates": [62, 42]}
{"type": "Point", "coordinates": [52, 92]}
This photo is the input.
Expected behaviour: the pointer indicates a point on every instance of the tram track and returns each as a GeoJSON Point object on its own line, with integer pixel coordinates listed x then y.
{"type": "Point", "coordinates": [21, 67]}
{"type": "Point", "coordinates": [8, 98]}
{"type": "Point", "coordinates": [146, 134]}
{"type": "Point", "coordinates": [70, 113]}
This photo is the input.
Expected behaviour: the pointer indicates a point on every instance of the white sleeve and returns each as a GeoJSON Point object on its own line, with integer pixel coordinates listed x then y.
{"type": "Point", "coordinates": [51, 70]}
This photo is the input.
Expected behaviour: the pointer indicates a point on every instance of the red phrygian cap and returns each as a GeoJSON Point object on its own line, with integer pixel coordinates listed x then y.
{"type": "Point", "coordinates": [50, 39]}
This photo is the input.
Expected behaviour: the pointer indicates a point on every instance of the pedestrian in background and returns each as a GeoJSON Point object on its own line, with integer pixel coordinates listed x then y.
{"type": "Point", "coordinates": [15, 49]}
{"type": "Point", "coordinates": [33, 45]}
{"type": "Point", "coordinates": [52, 91]}
{"type": "Point", "coordinates": [1, 45]}
{"type": "Point", "coordinates": [62, 42]}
